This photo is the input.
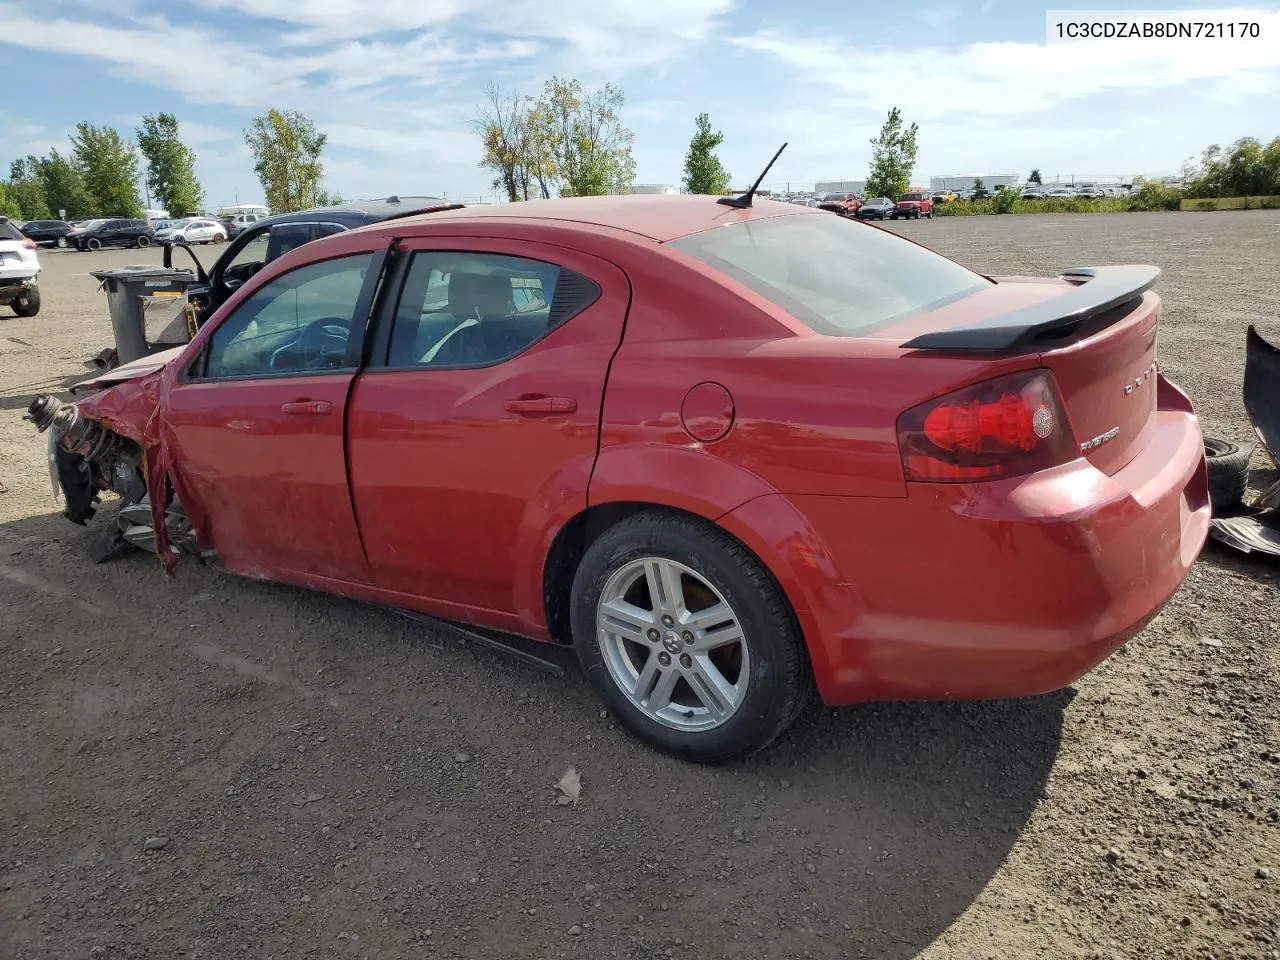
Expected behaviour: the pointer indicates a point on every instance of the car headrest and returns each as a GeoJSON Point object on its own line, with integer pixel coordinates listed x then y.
{"type": "Point", "coordinates": [482, 293]}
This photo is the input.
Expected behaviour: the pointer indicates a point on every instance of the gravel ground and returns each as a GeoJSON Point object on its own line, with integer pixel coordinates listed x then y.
{"type": "Point", "coordinates": [208, 767]}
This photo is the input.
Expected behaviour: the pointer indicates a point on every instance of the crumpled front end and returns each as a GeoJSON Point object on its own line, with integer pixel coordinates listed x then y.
{"type": "Point", "coordinates": [110, 441]}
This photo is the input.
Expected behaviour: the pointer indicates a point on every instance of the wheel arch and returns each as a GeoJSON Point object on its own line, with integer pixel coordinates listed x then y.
{"type": "Point", "coordinates": [574, 538]}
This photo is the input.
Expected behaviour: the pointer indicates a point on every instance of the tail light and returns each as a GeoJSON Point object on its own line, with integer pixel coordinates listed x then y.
{"type": "Point", "coordinates": [29, 243]}
{"type": "Point", "coordinates": [1005, 427]}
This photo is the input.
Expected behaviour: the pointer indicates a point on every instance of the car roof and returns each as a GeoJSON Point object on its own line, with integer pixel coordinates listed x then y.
{"type": "Point", "coordinates": [659, 217]}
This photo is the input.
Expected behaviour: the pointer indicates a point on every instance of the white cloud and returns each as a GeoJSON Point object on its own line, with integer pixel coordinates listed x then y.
{"type": "Point", "coordinates": [1007, 78]}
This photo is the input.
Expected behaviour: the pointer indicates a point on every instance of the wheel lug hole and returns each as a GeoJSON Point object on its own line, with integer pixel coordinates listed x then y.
{"type": "Point", "coordinates": [653, 635]}
{"type": "Point", "coordinates": [687, 637]}
{"type": "Point", "coordinates": [664, 659]}
{"type": "Point", "coordinates": [686, 661]}
{"type": "Point", "coordinates": [667, 621]}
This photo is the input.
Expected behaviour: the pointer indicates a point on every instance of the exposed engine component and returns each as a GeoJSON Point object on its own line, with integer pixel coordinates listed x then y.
{"type": "Point", "coordinates": [88, 439]}
{"type": "Point", "coordinates": [85, 458]}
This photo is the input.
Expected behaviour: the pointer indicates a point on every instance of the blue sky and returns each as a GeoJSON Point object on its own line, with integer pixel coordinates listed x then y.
{"type": "Point", "coordinates": [395, 83]}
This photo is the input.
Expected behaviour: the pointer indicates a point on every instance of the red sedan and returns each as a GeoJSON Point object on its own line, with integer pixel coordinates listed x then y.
{"type": "Point", "coordinates": [730, 454]}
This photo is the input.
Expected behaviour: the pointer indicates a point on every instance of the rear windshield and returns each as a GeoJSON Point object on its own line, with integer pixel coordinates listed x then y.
{"type": "Point", "coordinates": [9, 232]}
{"type": "Point", "coordinates": [839, 278]}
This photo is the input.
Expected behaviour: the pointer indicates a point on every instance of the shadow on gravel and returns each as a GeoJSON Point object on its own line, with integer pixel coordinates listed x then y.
{"type": "Point", "coordinates": [865, 833]}
{"type": "Point", "coordinates": [21, 400]}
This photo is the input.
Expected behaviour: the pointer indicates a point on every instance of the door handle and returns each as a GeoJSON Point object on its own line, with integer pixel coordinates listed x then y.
{"type": "Point", "coordinates": [306, 408]}
{"type": "Point", "coordinates": [532, 406]}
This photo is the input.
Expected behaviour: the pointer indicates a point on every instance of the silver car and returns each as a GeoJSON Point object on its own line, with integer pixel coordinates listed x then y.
{"type": "Point", "coordinates": [196, 230]}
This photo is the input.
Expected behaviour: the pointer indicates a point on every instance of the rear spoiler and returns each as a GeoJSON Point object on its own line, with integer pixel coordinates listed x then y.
{"type": "Point", "coordinates": [1090, 305]}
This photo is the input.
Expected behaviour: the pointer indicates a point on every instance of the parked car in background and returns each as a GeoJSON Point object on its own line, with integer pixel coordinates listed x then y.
{"type": "Point", "coordinates": [19, 270]}
{"type": "Point", "coordinates": [195, 230]}
{"type": "Point", "coordinates": [913, 206]}
{"type": "Point", "coordinates": [845, 204]}
{"type": "Point", "coordinates": [982, 193]}
{"type": "Point", "coordinates": [51, 233]}
{"type": "Point", "coordinates": [113, 233]}
{"type": "Point", "coordinates": [940, 197]}
{"type": "Point", "coordinates": [263, 241]}
{"type": "Point", "coordinates": [1033, 191]}
{"type": "Point", "coordinates": [984, 491]}
{"type": "Point", "coordinates": [233, 223]}
{"type": "Point", "coordinates": [1061, 193]}
{"type": "Point", "coordinates": [877, 208]}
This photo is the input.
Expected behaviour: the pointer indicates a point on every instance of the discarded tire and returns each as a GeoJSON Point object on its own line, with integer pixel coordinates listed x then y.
{"type": "Point", "coordinates": [1228, 465]}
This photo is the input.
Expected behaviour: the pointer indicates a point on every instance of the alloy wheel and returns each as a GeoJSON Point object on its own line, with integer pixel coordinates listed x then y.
{"type": "Point", "coordinates": [673, 645]}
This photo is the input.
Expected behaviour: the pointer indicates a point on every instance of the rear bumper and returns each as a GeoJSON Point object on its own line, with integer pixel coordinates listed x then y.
{"type": "Point", "coordinates": [1000, 589]}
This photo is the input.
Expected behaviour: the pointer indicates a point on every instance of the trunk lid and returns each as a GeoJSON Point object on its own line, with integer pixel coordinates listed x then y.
{"type": "Point", "coordinates": [1104, 367]}
{"type": "Point", "coordinates": [1108, 384]}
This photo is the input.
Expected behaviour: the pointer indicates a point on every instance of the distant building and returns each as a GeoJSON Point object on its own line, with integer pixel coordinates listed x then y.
{"type": "Point", "coordinates": [243, 208]}
{"type": "Point", "coordinates": [839, 186]}
{"type": "Point", "coordinates": [155, 214]}
{"type": "Point", "coordinates": [652, 188]}
{"type": "Point", "coordinates": [965, 181]}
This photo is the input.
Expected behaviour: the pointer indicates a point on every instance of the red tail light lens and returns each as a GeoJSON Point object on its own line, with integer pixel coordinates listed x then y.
{"type": "Point", "coordinates": [29, 243]}
{"type": "Point", "coordinates": [1006, 427]}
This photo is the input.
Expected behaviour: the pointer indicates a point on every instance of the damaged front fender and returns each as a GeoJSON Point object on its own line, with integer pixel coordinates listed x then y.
{"type": "Point", "coordinates": [111, 440]}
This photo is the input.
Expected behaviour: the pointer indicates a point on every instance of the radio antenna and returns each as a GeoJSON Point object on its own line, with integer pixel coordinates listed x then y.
{"type": "Point", "coordinates": [744, 201]}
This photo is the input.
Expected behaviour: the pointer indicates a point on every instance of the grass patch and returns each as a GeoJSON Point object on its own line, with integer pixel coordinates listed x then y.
{"type": "Point", "coordinates": [982, 208]}
{"type": "Point", "coordinates": [1231, 203]}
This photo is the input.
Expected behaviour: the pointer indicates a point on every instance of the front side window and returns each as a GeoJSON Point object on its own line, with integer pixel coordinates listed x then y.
{"type": "Point", "coordinates": [298, 323]}
{"type": "Point", "coordinates": [839, 278]}
{"type": "Point", "coordinates": [475, 309]}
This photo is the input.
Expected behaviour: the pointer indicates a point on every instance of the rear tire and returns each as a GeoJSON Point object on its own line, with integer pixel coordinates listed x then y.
{"type": "Point", "coordinates": [218, 238]}
{"type": "Point", "coordinates": [28, 305]}
{"type": "Point", "coordinates": [758, 672]}
{"type": "Point", "coordinates": [61, 243]}
{"type": "Point", "coordinates": [1228, 467]}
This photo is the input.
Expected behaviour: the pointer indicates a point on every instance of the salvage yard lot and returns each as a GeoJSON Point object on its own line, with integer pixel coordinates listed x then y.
{"type": "Point", "coordinates": [332, 780]}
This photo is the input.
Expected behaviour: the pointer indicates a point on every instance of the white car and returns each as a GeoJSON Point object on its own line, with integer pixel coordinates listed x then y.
{"type": "Point", "coordinates": [198, 230]}
{"type": "Point", "coordinates": [19, 267]}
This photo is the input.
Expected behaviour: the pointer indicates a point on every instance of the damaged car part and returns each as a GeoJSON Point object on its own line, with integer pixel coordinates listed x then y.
{"type": "Point", "coordinates": [1258, 529]}
{"type": "Point", "coordinates": [85, 459]}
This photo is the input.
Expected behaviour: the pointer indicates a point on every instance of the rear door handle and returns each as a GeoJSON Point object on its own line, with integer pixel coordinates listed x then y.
{"type": "Point", "coordinates": [533, 406]}
{"type": "Point", "coordinates": [306, 408]}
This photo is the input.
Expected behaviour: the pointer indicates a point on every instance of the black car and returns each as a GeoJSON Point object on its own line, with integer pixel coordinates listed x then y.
{"type": "Point", "coordinates": [52, 232]}
{"type": "Point", "coordinates": [875, 209]}
{"type": "Point", "coordinates": [113, 233]}
{"type": "Point", "coordinates": [257, 244]}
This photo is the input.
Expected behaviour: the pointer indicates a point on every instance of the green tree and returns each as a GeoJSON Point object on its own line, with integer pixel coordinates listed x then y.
{"type": "Point", "coordinates": [508, 125]}
{"type": "Point", "coordinates": [286, 149]}
{"type": "Point", "coordinates": [893, 158]}
{"type": "Point", "coordinates": [64, 188]}
{"type": "Point", "coordinates": [1035, 177]}
{"type": "Point", "coordinates": [171, 165]}
{"type": "Point", "coordinates": [27, 190]}
{"type": "Point", "coordinates": [108, 166]}
{"type": "Point", "coordinates": [587, 149]}
{"type": "Point", "coordinates": [1247, 168]}
{"type": "Point", "coordinates": [977, 184]}
{"type": "Point", "coordinates": [8, 203]}
{"type": "Point", "coordinates": [703, 172]}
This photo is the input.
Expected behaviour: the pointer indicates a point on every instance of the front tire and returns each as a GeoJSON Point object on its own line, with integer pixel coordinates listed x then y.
{"type": "Point", "coordinates": [28, 305]}
{"type": "Point", "coordinates": [687, 638]}
{"type": "Point", "coordinates": [93, 243]}
{"type": "Point", "coordinates": [61, 243]}
{"type": "Point", "coordinates": [144, 241]}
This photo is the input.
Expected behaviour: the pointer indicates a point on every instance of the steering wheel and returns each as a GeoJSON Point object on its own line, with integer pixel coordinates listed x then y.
{"type": "Point", "coordinates": [325, 338]}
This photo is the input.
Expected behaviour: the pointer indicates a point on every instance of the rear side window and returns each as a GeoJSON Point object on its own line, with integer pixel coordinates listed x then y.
{"type": "Point", "coordinates": [9, 232]}
{"type": "Point", "coordinates": [477, 309]}
{"type": "Point", "coordinates": [839, 278]}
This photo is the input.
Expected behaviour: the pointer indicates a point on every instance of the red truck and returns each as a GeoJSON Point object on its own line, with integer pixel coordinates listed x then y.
{"type": "Point", "coordinates": [912, 206]}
